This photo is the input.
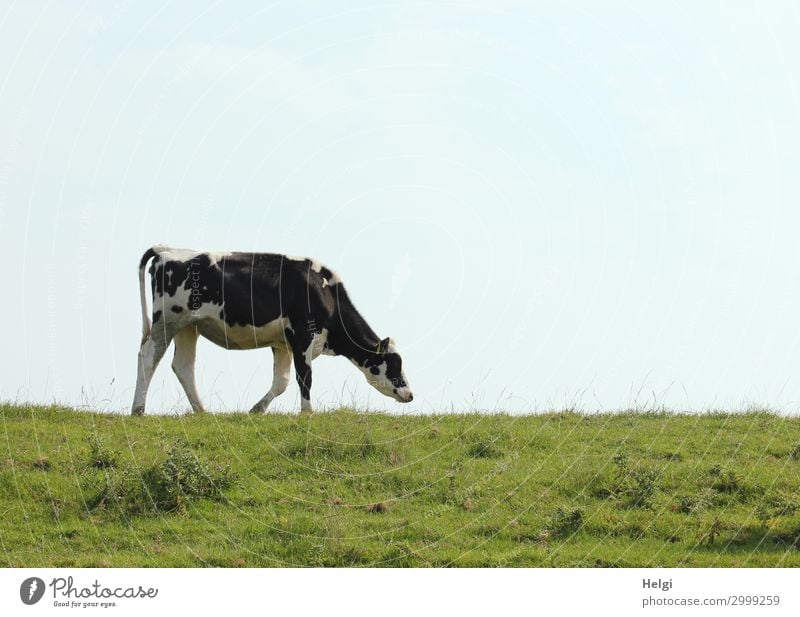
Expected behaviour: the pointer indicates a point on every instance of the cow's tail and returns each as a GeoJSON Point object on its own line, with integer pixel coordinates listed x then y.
{"type": "Point", "coordinates": [146, 325]}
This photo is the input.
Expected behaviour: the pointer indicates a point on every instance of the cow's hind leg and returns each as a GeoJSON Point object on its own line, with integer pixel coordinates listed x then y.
{"type": "Point", "coordinates": [150, 354]}
{"type": "Point", "coordinates": [281, 371]}
{"type": "Point", "coordinates": [183, 364]}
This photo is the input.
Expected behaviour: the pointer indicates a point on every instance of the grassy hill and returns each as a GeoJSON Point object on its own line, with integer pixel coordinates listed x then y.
{"type": "Point", "coordinates": [364, 489]}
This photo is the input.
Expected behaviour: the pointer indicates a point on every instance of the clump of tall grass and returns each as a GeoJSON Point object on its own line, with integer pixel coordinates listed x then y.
{"type": "Point", "coordinates": [165, 486]}
{"type": "Point", "coordinates": [635, 485]}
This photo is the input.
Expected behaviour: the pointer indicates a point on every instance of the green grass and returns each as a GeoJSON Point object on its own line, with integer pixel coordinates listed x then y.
{"type": "Point", "coordinates": [365, 489]}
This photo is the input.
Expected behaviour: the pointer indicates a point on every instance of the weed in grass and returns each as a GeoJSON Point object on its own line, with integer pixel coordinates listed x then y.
{"type": "Point", "coordinates": [645, 483]}
{"type": "Point", "coordinates": [483, 448]}
{"type": "Point", "coordinates": [685, 504]}
{"type": "Point", "coordinates": [41, 464]}
{"type": "Point", "coordinates": [163, 487]}
{"type": "Point", "coordinates": [184, 474]}
{"type": "Point", "coordinates": [635, 485]}
{"type": "Point", "coordinates": [726, 481]}
{"type": "Point", "coordinates": [100, 456]}
{"type": "Point", "coordinates": [709, 535]}
{"type": "Point", "coordinates": [790, 538]}
{"type": "Point", "coordinates": [690, 504]}
{"type": "Point", "coordinates": [776, 505]}
{"type": "Point", "coordinates": [730, 482]}
{"type": "Point", "coordinates": [564, 522]}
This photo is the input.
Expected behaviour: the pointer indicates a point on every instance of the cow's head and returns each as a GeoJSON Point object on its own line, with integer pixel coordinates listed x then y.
{"type": "Point", "coordinates": [384, 371]}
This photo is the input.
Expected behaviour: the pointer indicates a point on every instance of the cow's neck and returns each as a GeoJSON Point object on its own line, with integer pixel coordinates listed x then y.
{"type": "Point", "coordinates": [350, 334]}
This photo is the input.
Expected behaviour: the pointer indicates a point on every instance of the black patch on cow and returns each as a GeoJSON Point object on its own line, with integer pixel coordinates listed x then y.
{"type": "Point", "coordinates": [156, 316]}
{"type": "Point", "coordinates": [204, 282]}
{"type": "Point", "coordinates": [169, 276]}
{"type": "Point", "coordinates": [394, 367]}
{"type": "Point", "coordinates": [148, 254]}
{"type": "Point", "coordinates": [176, 309]}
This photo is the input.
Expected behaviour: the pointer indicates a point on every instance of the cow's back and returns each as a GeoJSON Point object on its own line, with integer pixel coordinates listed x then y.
{"type": "Point", "coordinates": [240, 290]}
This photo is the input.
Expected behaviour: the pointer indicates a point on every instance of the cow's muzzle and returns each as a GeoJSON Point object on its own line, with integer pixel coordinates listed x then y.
{"type": "Point", "coordinates": [404, 397]}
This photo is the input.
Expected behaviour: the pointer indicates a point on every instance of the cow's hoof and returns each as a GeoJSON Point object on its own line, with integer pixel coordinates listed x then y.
{"type": "Point", "coordinates": [199, 411]}
{"type": "Point", "coordinates": [137, 411]}
{"type": "Point", "coordinates": [257, 409]}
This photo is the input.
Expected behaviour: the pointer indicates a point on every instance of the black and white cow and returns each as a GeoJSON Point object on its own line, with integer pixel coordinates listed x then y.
{"type": "Point", "coordinates": [295, 305]}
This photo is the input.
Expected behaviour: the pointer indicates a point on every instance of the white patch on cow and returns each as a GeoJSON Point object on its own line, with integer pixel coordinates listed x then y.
{"type": "Point", "coordinates": [318, 345]}
{"type": "Point", "coordinates": [168, 253]}
{"type": "Point", "coordinates": [216, 330]}
{"type": "Point", "coordinates": [316, 266]}
{"type": "Point", "coordinates": [297, 258]}
{"type": "Point", "coordinates": [334, 279]}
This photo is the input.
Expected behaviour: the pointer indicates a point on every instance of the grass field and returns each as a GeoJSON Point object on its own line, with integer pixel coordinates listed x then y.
{"type": "Point", "coordinates": [364, 489]}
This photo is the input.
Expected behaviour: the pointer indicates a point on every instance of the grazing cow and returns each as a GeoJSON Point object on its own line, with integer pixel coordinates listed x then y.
{"type": "Point", "coordinates": [295, 305]}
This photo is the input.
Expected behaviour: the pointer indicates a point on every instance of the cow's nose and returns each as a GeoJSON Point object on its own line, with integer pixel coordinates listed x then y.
{"type": "Point", "coordinates": [410, 397]}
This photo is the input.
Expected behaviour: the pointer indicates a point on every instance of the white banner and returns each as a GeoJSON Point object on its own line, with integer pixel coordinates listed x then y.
{"type": "Point", "coordinates": [398, 592]}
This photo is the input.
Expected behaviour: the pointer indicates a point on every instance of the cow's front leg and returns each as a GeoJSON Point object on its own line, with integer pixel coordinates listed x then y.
{"type": "Point", "coordinates": [281, 372]}
{"type": "Point", "coordinates": [302, 367]}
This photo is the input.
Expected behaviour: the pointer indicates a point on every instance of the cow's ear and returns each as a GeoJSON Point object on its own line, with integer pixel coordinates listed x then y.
{"type": "Point", "coordinates": [383, 345]}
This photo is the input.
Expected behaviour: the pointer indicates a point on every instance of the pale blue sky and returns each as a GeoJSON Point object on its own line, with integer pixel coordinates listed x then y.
{"type": "Point", "coordinates": [545, 204]}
